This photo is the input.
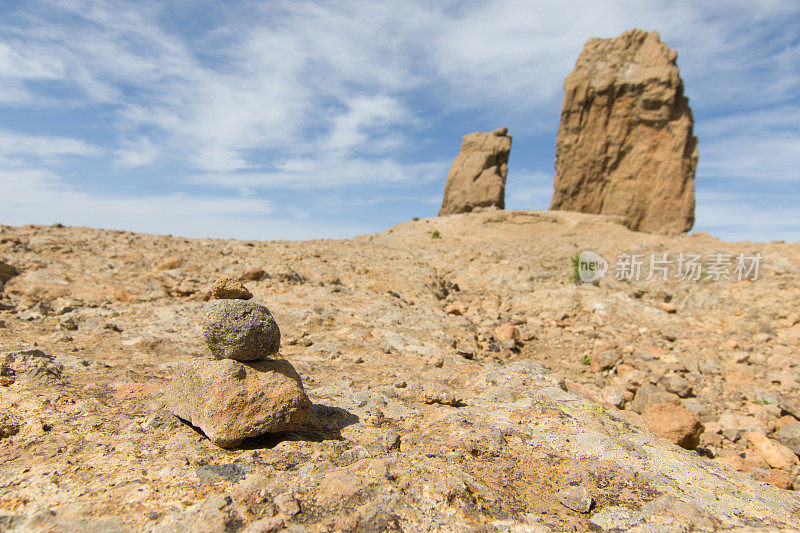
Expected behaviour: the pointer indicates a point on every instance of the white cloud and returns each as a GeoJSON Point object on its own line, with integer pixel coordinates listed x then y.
{"type": "Point", "coordinates": [26, 64]}
{"type": "Point", "coordinates": [332, 172]}
{"type": "Point", "coordinates": [738, 214]}
{"type": "Point", "coordinates": [303, 95]}
{"type": "Point", "coordinates": [529, 190]}
{"type": "Point", "coordinates": [301, 76]}
{"type": "Point", "coordinates": [783, 118]}
{"type": "Point", "coordinates": [755, 145]}
{"type": "Point", "coordinates": [18, 183]}
{"type": "Point", "coordinates": [39, 197]}
{"type": "Point", "coordinates": [140, 152]}
{"type": "Point", "coordinates": [348, 128]}
{"type": "Point", "coordinates": [15, 145]}
{"type": "Point", "coordinates": [769, 156]}
{"type": "Point", "coordinates": [21, 63]}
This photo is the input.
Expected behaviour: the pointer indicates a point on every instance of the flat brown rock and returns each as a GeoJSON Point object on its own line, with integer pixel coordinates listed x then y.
{"type": "Point", "coordinates": [626, 144]}
{"type": "Point", "coordinates": [231, 401]}
{"type": "Point", "coordinates": [229, 288]}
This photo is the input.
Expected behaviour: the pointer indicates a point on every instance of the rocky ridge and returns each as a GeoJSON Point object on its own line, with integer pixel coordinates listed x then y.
{"type": "Point", "coordinates": [472, 385]}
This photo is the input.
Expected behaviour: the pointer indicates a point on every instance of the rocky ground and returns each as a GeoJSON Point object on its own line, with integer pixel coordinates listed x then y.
{"type": "Point", "coordinates": [460, 380]}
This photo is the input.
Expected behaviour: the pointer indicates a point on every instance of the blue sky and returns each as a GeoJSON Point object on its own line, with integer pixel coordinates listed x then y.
{"type": "Point", "coordinates": [300, 119]}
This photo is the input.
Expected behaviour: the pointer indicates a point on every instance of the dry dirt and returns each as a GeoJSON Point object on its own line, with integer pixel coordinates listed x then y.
{"type": "Point", "coordinates": [424, 418]}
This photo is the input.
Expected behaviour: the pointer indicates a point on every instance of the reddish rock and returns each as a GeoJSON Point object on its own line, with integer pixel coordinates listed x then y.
{"type": "Point", "coordinates": [170, 263]}
{"type": "Point", "coordinates": [774, 453]}
{"type": "Point", "coordinates": [674, 423]}
{"type": "Point", "coordinates": [648, 395]}
{"type": "Point", "coordinates": [775, 478]}
{"type": "Point", "coordinates": [254, 274]}
{"type": "Point", "coordinates": [506, 332]}
{"type": "Point", "coordinates": [456, 308]}
{"type": "Point", "coordinates": [667, 307]}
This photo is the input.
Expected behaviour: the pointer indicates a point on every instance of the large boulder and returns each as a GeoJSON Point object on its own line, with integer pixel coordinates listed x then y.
{"type": "Point", "coordinates": [230, 401]}
{"type": "Point", "coordinates": [626, 144]}
{"type": "Point", "coordinates": [477, 178]}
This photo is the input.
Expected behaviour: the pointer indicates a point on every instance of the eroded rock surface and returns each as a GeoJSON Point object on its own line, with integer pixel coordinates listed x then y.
{"type": "Point", "coordinates": [625, 143]}
{"type": "Point", "coordinates": [477, 178]}
{"type": "Point", "coordinates": [470, 408]}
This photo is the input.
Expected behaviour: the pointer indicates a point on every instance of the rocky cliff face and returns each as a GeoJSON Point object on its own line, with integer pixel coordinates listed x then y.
{"type": "Point", "coordinates": [478, 175]}
{"type": "Point", "coordinates": [625, 143]}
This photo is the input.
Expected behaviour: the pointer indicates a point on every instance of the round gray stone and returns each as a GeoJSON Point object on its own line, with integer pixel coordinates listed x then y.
{"type": "Point", "coordinates": [240, 330]}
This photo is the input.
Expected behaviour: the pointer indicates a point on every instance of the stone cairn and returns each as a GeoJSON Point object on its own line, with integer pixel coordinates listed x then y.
{"type": "Point", "coordinates": [241, 392]}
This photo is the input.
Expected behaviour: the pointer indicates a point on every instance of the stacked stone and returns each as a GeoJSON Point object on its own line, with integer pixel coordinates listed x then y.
{"type": "Point", "coordinates": [241, 392]}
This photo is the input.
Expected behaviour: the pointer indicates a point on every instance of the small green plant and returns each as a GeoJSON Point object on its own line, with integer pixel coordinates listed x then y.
{"type": "Point", "coordinates": [575, 277]}
{"type": "Point", "coordinates": [435, 234]}
{"type": "Point", "coordinates": [415, 219]}
{"type": "Point", "coordinates": [586, 360]}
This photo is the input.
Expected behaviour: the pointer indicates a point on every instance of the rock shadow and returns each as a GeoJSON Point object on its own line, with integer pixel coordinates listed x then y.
{"type": "Point", "coordinates": [323, 423]}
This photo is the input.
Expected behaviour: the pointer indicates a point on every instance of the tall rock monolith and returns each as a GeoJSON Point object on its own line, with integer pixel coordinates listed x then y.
{"type": "Point", "coordinates": [626, 144]}
{"type": "Point", "coordinates": [477, 178]}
